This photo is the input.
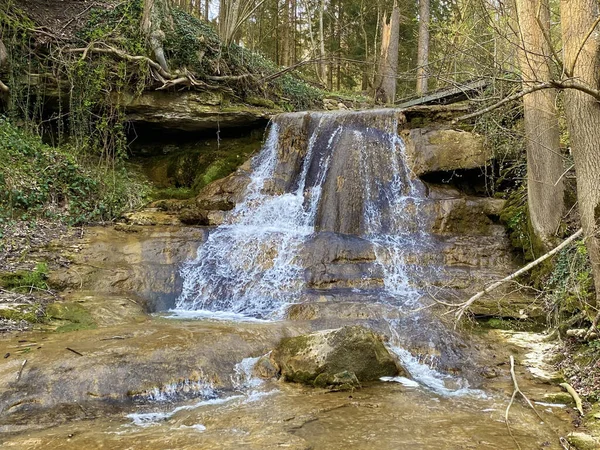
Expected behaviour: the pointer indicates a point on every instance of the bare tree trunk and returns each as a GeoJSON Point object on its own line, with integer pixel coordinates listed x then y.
{"type": "Point", "coordinates": [206, 10]}
{"type": "Point", "coordinates": [423, 47]}
{"type": "Point", "coordinates": [545, 188]}
{"type": "Point", "coordinates": [285, 34]}
{"type": "Point", "coordinates": [388, 64]}
{"type": "Point", "coordinates": [321, 42]}
{"type": "Point", "coordinates": [581, 52]}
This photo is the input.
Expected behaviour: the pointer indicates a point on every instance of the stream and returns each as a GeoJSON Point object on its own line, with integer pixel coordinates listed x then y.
{"type": "Point", "coordinates": [333, 229]}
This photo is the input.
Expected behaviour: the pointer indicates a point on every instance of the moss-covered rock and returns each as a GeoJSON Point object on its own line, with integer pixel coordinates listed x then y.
{"type": "Point", "coordinates": [583, 441]}
{"type": "Point", "coordinates": [334, 358]}
{"type": "Point", "coordinates": [70, 316]}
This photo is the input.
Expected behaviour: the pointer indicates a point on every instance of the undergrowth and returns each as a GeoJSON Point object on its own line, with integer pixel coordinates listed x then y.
{"type": "Point", "coordinates": [37, 180]}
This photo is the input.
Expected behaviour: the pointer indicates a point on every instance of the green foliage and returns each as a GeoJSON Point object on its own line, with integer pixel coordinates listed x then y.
{"type": "Point", "coordinates": [37, 180]}
{"type": "Point", "coordinates": [122, 22]}
{"type": "Point", "coordinates": [516, 219]}
{"type": "Point", "coordinates": [570, 284]}
{"type": "Point", "coordinates": [188, 39]}
{"type": "Point", "coordinates": [25, 280]}
{"type": "Point", "coordinates": [176, 193]}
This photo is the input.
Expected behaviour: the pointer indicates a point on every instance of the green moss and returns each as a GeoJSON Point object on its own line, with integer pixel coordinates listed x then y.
{"type": "Point", "coordinates": [175, 193]}
{"type": "Point", "coordinates": [499, 323]}
{"type": "Point", "coordinates": [75, 316]}
{"type": "Point", "coordinates": [25, 280]}
{"type": "Point", "coordinates": [29, 313]}
{"type": "Point", "coordinates": [261, 101]}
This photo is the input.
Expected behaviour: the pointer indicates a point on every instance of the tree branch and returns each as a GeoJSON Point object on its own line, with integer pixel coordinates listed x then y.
{"type": "Point", "coordinates": [554, 84]}
{"type": "Point", "coordinates": [462, 308]}
{"type": "Point", "coordinates": [571, 67]}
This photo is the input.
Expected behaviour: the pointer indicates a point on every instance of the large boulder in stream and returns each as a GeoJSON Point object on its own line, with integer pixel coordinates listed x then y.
{"type": "Point", "coordinates": [343, 357]}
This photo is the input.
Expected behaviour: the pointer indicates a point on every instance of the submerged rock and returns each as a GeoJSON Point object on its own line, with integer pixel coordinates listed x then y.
{"type": "Point", "coordinates": [343, 357]}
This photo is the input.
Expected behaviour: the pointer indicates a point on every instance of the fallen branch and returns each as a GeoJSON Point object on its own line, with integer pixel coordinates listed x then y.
{"type": "Point", "coordinates": [464, 306]}
{"type": "Point", "coordinates": [21, 370]}
{"type": "Point", "coordinates": [516, 390]}
{"type": "Point", "coordinates": [74, 351]}
{"type": "Point", "coordinates": [575, 395]}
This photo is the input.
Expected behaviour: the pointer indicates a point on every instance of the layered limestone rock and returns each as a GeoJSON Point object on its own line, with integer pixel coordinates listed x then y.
{"type": "Point", "coordinates": [441, 150]}
{"type": "Point", "coordinates": [143, 261]}
{"type": "Point", "coordinates": [343, 357]}
{"type": "Point", "coordinates": [191, 111]}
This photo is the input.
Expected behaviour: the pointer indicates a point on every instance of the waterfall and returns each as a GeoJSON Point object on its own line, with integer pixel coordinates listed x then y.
{"type": "Point", "coordinates": [317, 172]}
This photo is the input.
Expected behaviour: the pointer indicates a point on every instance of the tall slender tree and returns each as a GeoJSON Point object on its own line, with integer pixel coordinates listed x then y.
{"type": "Point", "coordinates": [579, 24]}
{"type": "Point", "coordinates": [423, 47]}
{"type": "Point", "coordinates": [545, 187]}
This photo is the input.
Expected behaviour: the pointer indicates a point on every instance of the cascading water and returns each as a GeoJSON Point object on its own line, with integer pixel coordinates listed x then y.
{"type": "Point", "coordinates": [250, 265]}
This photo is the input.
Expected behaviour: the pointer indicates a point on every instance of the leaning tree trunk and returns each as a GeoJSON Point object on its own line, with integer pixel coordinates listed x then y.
{"type": "Point", "coordinates": [545, 188]}
{"type": "Point", "coordinates": [581, 52]}
{"type": "Point", "coordinates": [388, 64]}
{"type": "Point", "coordinates": [155, 19]}
{"type": "Point", "coordinates": [423, 47]}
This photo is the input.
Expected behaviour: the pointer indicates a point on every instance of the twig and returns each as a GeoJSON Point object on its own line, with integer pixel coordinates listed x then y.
{"type": "Point", "coordinates": [74, 351]}
{"type": "Point", "coordinates": [21, 369]}
{"type": "Point", "coordinates": [575, 395]}
{"type": "Point", "coordinates": [516, 391]}
{"type": "Point", "coordinates": [571, 67]}
{"type": "Point", "coordinates": [463, 307]}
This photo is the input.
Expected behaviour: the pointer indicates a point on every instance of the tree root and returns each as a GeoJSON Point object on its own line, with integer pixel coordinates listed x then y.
{"type": "Point", "coordinates": [167, 78]}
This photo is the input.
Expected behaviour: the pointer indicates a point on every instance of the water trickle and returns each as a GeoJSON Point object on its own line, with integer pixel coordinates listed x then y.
{"type": "Point", "coordinates": [343, 173]}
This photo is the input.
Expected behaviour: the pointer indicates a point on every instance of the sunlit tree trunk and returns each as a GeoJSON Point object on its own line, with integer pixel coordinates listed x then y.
{"type": "Point", "coordinates": [581, 52]}
{"type": "Point", "coordinates": [423, 47]}
{"type": "Point", "coordinates": [156, 18]}
{"type": "Point", "coordinates": [545, 187]}
{"type": "Point", "coordinates": [322, 55]}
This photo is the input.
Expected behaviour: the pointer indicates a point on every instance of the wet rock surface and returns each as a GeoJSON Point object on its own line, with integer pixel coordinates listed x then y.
{"type": "Point", "coordinates": [138, 260]}
{"type": "Point", "coordinates": [343, 357]}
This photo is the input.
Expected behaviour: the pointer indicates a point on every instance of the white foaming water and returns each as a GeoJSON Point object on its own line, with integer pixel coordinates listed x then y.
{"type": "Point", "coordinates": [185, 388]}
{"type": "Point", "coordinates": [249, 266]}
{"type": "Point", "coordinates": [242, 381]}
{"type": "Point", "coordinates": [432, 379]}
{"type": "Point", "coordinates": [243, 378]}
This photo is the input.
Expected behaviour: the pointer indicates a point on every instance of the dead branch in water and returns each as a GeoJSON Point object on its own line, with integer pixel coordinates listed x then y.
{"type": "Point", "coordinates": [462, 307]}
{"type": "Point", "coordinates": [21, 370]}
{"type": "Point", "coordinates": [516, 391]}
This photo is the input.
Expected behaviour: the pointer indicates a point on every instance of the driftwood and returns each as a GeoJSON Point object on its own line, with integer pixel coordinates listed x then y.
{"type": "Point", "coordinates": [575, 395]}
{"type": "Point", "coordinates": [21, 369]}
{"type": "Point", "coordinates": [74, 351]}
{"type": "Point", "coordinates": [462, 307]}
